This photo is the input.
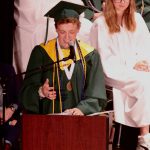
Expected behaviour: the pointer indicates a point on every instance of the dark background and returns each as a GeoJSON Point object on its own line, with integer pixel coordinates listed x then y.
{"type": "Point", "coordinates": [7, 26]}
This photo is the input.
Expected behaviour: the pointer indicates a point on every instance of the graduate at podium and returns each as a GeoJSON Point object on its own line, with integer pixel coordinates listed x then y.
{"type": "Point", "coordinates": [69, 76]}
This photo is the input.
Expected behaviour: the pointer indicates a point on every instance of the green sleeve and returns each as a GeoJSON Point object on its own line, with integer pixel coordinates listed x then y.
{"type": "Point", "coordinates": [29, 96]}
{"type": "Point", "coordinates": [95, 93]}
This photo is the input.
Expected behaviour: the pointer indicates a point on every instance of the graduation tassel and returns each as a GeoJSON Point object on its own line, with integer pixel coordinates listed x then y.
{"type": "Point", "coordinates": [46, 34]}
{"type": "Point", "coordinates": [58, 79]}
{"type": "Point", "coordinates": [53, 102]}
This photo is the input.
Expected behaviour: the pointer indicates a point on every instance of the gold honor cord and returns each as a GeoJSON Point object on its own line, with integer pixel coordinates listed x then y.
{"type": "Point", "coordinates": [84, 64]}
{"type": "Point", "coordinates": [60, 100]}
{"type": "Point", "coordinates": [53, 88]}
{"type": "Point", "coordinates": [53, 101]}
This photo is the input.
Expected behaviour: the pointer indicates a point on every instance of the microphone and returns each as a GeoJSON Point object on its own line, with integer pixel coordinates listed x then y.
{"type": "Point", "coordinates": [72, 51]}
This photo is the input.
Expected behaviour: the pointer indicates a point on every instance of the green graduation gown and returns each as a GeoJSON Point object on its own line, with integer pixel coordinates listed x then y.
{"type": "Point", "coordinates": [88, 95]}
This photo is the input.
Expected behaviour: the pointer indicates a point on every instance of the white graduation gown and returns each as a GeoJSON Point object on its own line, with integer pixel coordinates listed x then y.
{"type": "Point", "coordinates": [119, 52]}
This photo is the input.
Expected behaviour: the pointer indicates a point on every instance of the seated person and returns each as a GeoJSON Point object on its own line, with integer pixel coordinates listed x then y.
{"type": "Point", "coordinates": [122, 39]}
{"type": "Point", "coordinates": [75, 85]}
{"type": "Point", "coordinates": [10, 126]}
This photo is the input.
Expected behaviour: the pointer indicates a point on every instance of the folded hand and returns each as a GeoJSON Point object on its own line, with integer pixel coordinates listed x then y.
{"type": "Point", "coordinates": [142, 66]}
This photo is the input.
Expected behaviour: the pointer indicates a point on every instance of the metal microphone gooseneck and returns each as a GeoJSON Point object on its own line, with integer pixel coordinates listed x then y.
{"type": "Point", "coordinates": [72, 51]}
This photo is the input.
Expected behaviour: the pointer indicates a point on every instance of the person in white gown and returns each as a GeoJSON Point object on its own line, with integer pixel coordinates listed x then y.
{"type": "Point", "coordinates": [31, 28]}
{"type": "Point", "coordinates": [123, 41]}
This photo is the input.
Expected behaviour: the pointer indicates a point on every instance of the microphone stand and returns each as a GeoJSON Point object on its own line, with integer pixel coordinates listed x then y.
{"type": "Point", "coordinates": [2, 82]}
{"type": "Point", "coordinates": [3, 85]}
{"type": "Point", "coordinates": [4, 94]}
{"type": "Point", "coordinates": [44, 67]}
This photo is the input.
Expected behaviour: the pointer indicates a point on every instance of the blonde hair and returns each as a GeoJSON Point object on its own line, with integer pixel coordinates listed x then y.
{"type": "Point", "coordinates": [111, 16]}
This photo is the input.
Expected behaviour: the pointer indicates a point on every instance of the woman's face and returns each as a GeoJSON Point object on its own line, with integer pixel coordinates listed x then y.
{"type": "Point", "coordinates": [121, 5]}
{"type": "Point", "coordinates": [67, 32]}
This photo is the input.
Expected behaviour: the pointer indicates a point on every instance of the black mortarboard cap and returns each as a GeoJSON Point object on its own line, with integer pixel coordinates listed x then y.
{"type": "Point", "coordinates": [64, 10]}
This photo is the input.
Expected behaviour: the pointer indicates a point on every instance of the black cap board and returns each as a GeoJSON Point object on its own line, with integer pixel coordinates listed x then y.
{"type": "Point", "coordinates": [64, 10]}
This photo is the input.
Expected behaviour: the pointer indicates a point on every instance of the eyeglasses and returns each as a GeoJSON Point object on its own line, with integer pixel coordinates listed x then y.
{"type": "Point", "coordinates": [119, 1]}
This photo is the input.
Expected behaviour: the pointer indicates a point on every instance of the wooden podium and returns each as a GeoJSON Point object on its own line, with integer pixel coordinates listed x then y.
{"type": "Point", "coordinates": [55, 132]}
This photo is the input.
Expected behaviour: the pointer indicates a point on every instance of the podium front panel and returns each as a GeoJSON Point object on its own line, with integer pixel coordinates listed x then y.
{"type": "Point", "coordinates": [55, 132]}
